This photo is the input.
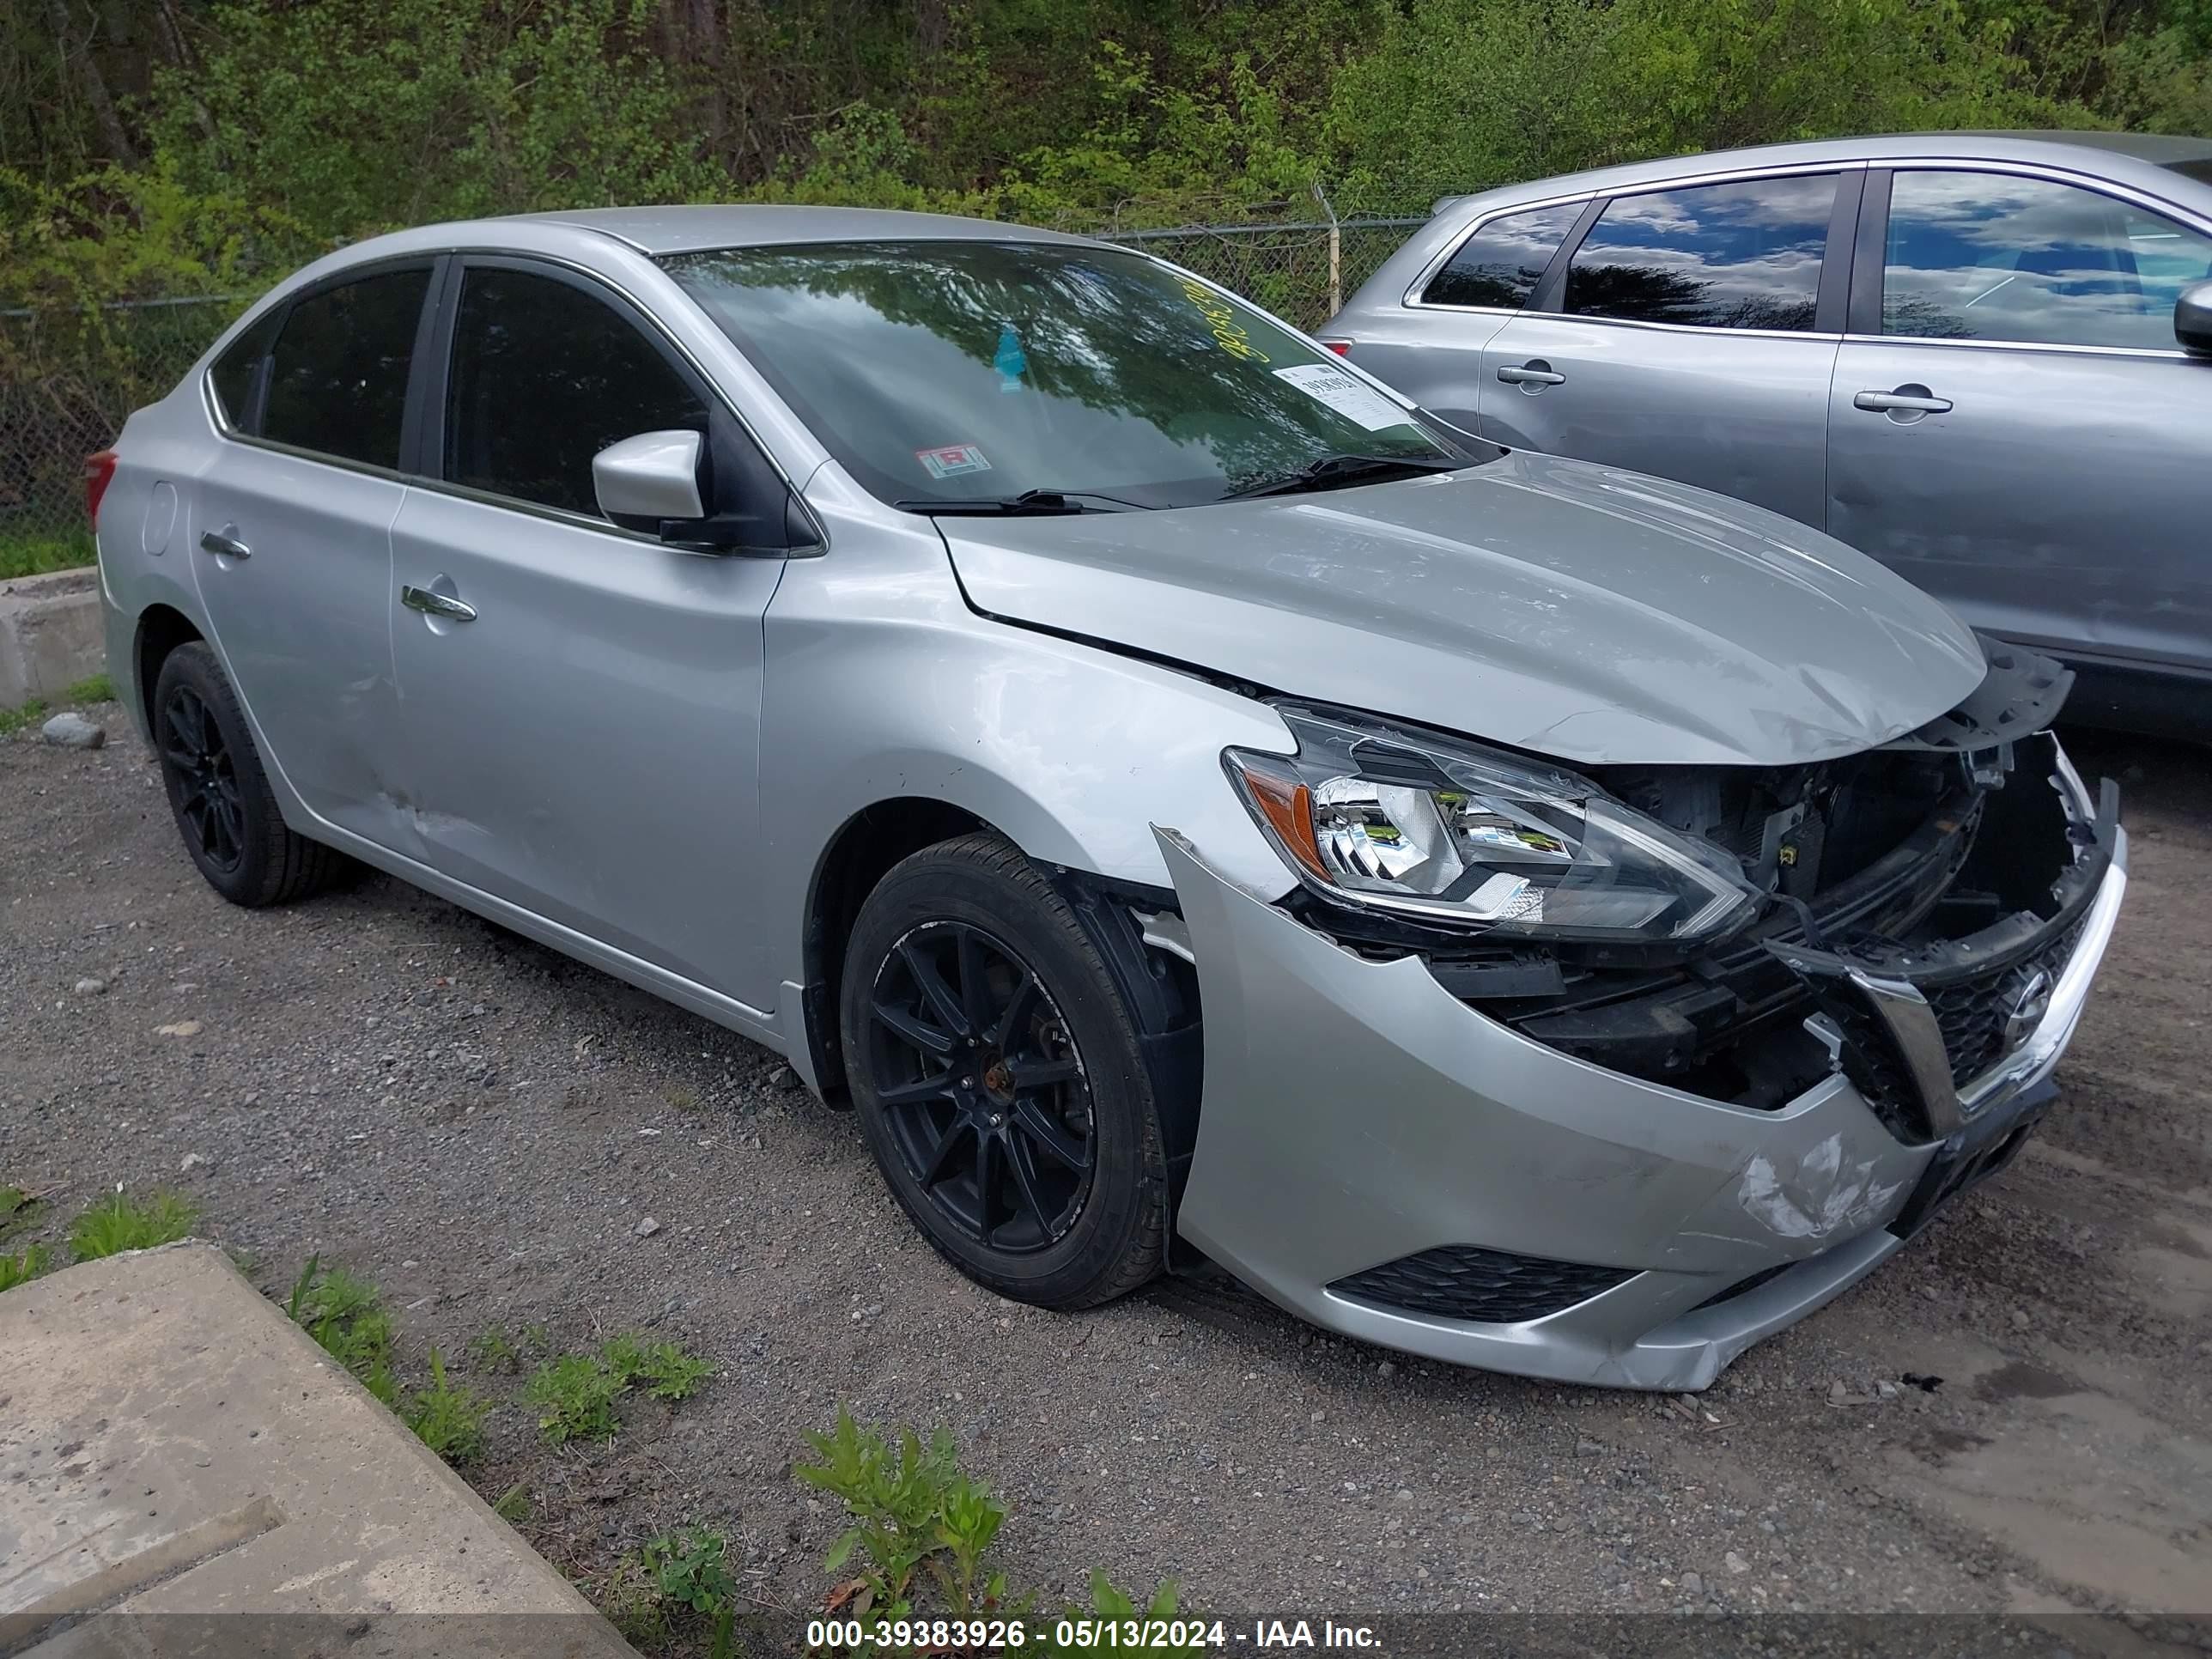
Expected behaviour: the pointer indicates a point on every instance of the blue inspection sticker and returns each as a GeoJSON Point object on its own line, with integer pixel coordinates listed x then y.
{"type": "Point", "coordinates": [952, 460]}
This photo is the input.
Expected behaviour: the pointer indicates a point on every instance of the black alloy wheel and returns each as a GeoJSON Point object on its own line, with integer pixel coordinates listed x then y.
{"type": "Point", "coordinates": [219, 792]}
{"type": "Point", "coordinates": [982, 1087]}
{"type": "Point", "coordinates": [999, 1078]}
{"type": "Point", "coordinates": [203, 780]}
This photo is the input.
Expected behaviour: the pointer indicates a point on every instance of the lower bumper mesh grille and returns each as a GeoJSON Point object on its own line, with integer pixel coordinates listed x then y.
{"type": "Point", "coordinates": [1491, 1287]}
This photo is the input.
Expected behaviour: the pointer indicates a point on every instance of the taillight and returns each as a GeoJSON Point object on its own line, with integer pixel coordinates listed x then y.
{"type": "Point", "coordinates": [98, 471]}
{"type": "Point", "coordinates": [1341, 348]}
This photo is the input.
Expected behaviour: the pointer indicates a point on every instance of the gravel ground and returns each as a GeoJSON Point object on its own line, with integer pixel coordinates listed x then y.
{"type": "Point", "coordinates": [482, 1128]}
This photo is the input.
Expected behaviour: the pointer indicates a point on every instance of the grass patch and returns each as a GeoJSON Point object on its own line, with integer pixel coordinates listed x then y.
{"type": "Point", "coordinates": [345, 1314]}
{"type": "Point", "coordinates": [93, 688]}
{"type": "Point", "coordinates": [123, 1221]}
{"type": "Point", "coordinates": [574, 1395]}
{"type": "Point", "coordinates": [446, 1419]}
{"type": "Point", "coordinates": [13, 720]}
{"type": "Point", "coordinates": [16, 1207]}
{"type": "Point", "coordinates": [920, 1543]}
{"type": "Point", "coordinates": [35, 556]}
{"type": "Point", "coordinates": [514, 1504]}
{"type": "Point", "coordinates": [22, 1268]}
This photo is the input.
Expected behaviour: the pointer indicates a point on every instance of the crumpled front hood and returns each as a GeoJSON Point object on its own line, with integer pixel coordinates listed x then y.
{"type": "Point", "coordinates": [1576, 610]}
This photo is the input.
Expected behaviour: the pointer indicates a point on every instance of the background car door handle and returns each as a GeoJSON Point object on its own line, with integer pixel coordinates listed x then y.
{"type": "Point", "coordinates": [1914, 400]}
{"type": "Point", "coordinates": [223, 542]}
{"type": "Point", "coordinates": [436, 604]}
{"type": "Point", "coordinates": [1531, 374]}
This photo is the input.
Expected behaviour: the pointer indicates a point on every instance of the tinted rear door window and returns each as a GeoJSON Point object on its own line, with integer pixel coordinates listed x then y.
{"type": "Point", "coordinates": [1501, 262]}
{"type": "Point", "coordinates": [544, 376]}
{"type": "Point", "coordinates": [1714, 255]}
{"type": "Point", "coordinates": [337, 380]}
{"type": "Point", "coordinates": [237, 372]}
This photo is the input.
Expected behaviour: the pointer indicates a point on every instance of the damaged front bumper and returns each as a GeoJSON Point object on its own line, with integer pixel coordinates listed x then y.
{"type": "Point", "coordinates": [1385, 1161]}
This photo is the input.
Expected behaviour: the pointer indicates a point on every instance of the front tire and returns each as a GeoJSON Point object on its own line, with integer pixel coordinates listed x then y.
{"type": "Point", "coordinates": [998, 1081]}
{"type": "Point", "coordinates": [219, 792]}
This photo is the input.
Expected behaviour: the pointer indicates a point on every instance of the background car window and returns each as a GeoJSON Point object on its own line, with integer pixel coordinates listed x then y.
{"type": "Point", "coordinates": [1501, 263]}
{"type": "Point", "coordinates": [337, 380]}
{"type": "Point", "coordinates": [1716, 256]}
{"type": "Point", "coordinates": [236, 370]}
{"type": "Point", "coordinates": [545, 376]}
{"type": "Point", "coordinates": [1983, 255]}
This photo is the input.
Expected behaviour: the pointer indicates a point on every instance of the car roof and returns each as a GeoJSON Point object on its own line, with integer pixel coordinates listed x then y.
{"type": "Point", "coordinates": [691, 228]}
{"type": "Point", "coordinates": [2122, 155]}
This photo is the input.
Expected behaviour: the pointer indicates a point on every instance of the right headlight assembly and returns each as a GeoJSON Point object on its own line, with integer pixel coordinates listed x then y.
{"type": "Point", "coordinates": [1372, 815]}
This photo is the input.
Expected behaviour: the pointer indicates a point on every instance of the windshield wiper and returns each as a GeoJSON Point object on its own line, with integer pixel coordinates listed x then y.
{"type": "Point", "coordinates": [1331, 471]}
{"type": "Point", "coordinates": [1032, 501]}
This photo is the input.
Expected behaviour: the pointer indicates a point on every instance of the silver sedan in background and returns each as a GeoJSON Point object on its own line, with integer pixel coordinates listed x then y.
{"type": "Point", "coordinates": [1181, 795]}
{"type": "Point", "coordinates": [1984, 359]}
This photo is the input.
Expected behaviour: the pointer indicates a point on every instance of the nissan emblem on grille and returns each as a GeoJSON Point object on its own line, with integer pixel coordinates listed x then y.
{"type": "Point", "coordinates": [2029, 1007]}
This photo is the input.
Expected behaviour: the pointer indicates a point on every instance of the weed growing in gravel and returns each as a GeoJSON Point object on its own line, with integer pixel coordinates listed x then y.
{"type": "Point", "coordinates": [22, 1268]}
{"type": "Point", "coordinates": [345, 1314]}
{"type": "Point", "coordinates": [94, 688]}
{"type": "Point", "coordinates": [514, 1504]}
{"type": "Point", "coordinates": [690, 1570]}
{"type": "Point", "coordinates": [922, 1526]}
{"type": "Point", "coordinates": [493, 1350]}
{"type": "Point", "coordinates": [15, 1208]}
{"type": "Point", "coordinates": [122, 1222]}
{"type": "Point", "coordinates": [575, 1394]}
{"type": "Point", "coordinates": [668, 1372]}
{"type": "Point", "coordinates": [683, 1097]}
{"type": "Point", "coordinates": [446, 1419]}
{"type": "Point", "coordinates": [13, 720]}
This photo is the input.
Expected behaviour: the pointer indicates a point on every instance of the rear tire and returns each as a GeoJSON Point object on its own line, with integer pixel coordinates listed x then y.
{"type": "Point", "coordinates": [219, 792]}
{"type": "Point", "coordinates": [998, 1081]}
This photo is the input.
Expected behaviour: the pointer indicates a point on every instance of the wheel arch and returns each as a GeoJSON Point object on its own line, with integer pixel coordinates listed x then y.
{"type": "Point", "coordinates": [162, 628]}
{"type": "Point", "coordinates": [1160, 990]}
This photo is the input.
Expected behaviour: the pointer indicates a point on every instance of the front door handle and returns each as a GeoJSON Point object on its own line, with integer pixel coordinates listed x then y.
{"type": "Point", "coordinates": [1536, 372]}
{"type": "Point", "coordinates": [225, 541]}
{"type": "Point", "coordinates": [1907, 399]}
{"type": "Point", "coordinates": [436, 604]}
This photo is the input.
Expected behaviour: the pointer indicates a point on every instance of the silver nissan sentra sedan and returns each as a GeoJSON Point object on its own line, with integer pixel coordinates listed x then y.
{"type": "Point", "coordinates": [1188, 802]}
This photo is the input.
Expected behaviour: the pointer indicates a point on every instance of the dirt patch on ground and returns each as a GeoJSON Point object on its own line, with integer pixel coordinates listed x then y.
{"type": "Point", "coordinates": [481, 1126]}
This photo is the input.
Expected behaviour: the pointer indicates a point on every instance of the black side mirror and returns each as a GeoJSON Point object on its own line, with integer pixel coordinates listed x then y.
{"type": "Point", "coordinates": [2192, 318]}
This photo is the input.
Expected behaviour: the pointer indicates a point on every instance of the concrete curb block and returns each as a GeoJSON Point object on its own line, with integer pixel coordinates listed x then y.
{"type": "Point", "coordinates": [50, 634]}
{"type": "Point", "coordinates": [178, 1453]}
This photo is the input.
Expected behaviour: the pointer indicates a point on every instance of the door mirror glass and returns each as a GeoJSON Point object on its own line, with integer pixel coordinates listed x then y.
{"type": "Point", "coordinates": [2192, 318]}
{"type": "Point", "coordinates": [644, 482]}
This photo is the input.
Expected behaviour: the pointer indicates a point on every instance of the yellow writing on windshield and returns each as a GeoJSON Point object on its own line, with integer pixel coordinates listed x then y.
{"type": "Point", "coordinates": [1221, 322]}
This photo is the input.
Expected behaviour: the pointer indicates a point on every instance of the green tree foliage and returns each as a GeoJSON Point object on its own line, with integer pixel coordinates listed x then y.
{"type": "Point", "coordinates": [167, 145]}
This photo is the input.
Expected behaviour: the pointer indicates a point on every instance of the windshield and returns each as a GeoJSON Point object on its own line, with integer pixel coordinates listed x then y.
{"type": "Point", "coordinates": [949, 371]}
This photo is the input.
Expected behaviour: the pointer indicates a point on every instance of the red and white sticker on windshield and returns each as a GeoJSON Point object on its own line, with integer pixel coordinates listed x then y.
{"type": "Point", "coordinates": [952, 460]}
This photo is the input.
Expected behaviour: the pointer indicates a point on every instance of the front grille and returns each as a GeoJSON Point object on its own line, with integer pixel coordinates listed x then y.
{"type": "Point", "coordinates": [1972, 1012]}
{"type": "Point", "coordinates": [1491, 1287]}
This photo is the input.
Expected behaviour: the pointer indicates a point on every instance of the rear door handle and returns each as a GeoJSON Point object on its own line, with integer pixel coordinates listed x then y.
{"type": "Point", "coordinates": [1916, 401]}
{"type": "Point", "coordinates": [436, 604]}
{"type": "Point", "coordinates": [1535, 374]}
{"type": "Point", "coordinates": [224, 542]}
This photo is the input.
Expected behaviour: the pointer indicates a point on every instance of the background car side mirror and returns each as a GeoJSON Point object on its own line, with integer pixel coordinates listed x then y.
{"type": "Point", "coordinates": [2192, 318]}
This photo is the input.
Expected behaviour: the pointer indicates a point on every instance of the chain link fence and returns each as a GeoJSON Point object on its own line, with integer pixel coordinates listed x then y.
{"type": "Point", "coordinates": [69, 378]}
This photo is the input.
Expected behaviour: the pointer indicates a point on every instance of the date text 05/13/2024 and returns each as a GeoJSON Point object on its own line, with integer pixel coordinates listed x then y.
{"type": "Point", "coordinates": [1103, 1635]}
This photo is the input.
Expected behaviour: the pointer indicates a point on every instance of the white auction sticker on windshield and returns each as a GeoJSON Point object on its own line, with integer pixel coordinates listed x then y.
{"type": "Point", "coordinates": [1353, 399]}
{"type": "Point", "coordinates": [952, 459]}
